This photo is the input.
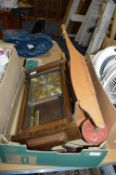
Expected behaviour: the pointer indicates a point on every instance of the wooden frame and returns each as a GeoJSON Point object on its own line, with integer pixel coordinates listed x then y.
{"type": "Point", "coordinates": [52, 133]}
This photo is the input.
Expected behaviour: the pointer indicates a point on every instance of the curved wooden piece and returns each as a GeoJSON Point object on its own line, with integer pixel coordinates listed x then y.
{"type": "Point", "coordinates": [82, 83]}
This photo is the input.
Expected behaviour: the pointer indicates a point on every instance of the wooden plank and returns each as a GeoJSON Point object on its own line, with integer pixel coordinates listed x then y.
{"type": "Point", "coordinates": [90, 19]}
{"type": "Point", "coordinates": [9, 167]}
{"type": "Point", "coordinates": [113, 29]}
{"type": "Point", "coordinates": [111, 156]}
{"type": "Point", "coordinates": [72, 10]}
{"type": "Point", "coordinates": [84, 172]}
{"type": "Point", "coordinates": [77, 18]}
{"type": "Point", "coordinates": [95, 171]}
{"type": "Point", "coordinates": [101, 29]}
{"type": "Point", "coordinates": [87, 99]}
{"type": "Point", "coordinates": [108, 42]}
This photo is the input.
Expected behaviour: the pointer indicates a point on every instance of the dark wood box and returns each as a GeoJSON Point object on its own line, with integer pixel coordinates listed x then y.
{"type": "Point", "coordinates": [45, 118]}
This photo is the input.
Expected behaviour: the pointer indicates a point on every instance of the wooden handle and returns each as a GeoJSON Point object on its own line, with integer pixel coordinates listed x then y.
{"type": "Point", "coordinates": [82, 83]}
{"type": "Point", "coordinates": [63, 28]}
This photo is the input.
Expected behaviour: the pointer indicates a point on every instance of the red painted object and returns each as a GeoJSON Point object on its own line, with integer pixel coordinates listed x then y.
{"type": "Point", "coordinates": [93, 134]}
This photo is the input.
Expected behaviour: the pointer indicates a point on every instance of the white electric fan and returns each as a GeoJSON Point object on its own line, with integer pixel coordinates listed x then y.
{"type": "Point", "coordinates": [105, 66]}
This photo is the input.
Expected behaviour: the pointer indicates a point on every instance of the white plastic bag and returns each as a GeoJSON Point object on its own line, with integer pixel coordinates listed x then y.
{"type": "Point", "coordinates": [4, 59]}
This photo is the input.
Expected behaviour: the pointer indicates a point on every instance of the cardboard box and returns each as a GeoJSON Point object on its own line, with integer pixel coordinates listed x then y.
{"type": "Point", "coordinates": [108, 110]}
{"type": "Point", "coordinates": [18, 154]}
{"type": "Point", "coordinates": [10, 86]}
{"type": "Point", "coordinates": [54, 54]}
{"type": "Point", "coordinates": [108, 42]}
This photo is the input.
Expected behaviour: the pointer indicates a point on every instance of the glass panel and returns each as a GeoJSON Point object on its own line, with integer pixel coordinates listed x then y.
{"type": "Point", "coordinates": [45, 99]}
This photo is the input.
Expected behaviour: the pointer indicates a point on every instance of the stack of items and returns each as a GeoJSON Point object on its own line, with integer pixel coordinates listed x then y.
{"type": "Point", "coordinates": [62, 108]}
{"type": "Point", "coordinates": [54, 112]}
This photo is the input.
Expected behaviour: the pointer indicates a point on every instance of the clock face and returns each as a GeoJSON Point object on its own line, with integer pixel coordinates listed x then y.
{"type": "Point", "coordinates": [45, 99]}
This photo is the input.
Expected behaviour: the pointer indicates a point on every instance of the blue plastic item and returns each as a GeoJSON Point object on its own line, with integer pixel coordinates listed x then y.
{"type": "Point", "coordinates": [31, 64]}
{"type": "Point", "coordinates": [30, 45]}
{"type": "Point", "coordinates": [14, 36]}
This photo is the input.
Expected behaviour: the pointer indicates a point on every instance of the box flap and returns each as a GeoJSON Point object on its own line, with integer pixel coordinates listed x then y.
{"type": "Point", "coordinates": [20, 155]}
{"type": "Point", "coordinates": [107, 109]}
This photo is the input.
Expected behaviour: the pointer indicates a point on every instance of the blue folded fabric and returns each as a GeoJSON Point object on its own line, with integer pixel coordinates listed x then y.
{"type": "Point", "coordinates": [29, 45]}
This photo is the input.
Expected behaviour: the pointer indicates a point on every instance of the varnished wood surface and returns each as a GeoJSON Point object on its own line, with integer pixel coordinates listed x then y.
{"type": "Point", "coordinates": [4, 16]}
{"type": "Point", "coordinates": [111, 157]}
{"type": "Point", "coordinates": [42, 132]}
{"type": "Point", "coordinates": [22, 167]}
{"type": "Point", "coordinates": [82, 83]}
{"type": "Point", "coordinates": [9, 21]}
{"type": "Point", "coordinates": [51, 140]}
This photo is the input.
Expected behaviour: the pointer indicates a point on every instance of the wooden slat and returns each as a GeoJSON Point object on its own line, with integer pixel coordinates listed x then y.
{"type": "Point", "coordinates": [95, 171]}
{"type": "Point", "coordinates": [9, 167]}
{"type": "Point", "coordinates": [113, 29]}
{"type": "Point", "coordinates": [101, 29]}
{"type": "Point", "coordinates": [77, 18]}
{"type": "Point", "coordinates": [91, 16]}
{"type": "Point", "coordinates": [73, 7]}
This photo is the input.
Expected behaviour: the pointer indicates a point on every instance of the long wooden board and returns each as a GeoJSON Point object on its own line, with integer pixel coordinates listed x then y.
{"type": "Point", "coordinates": [82, 83]}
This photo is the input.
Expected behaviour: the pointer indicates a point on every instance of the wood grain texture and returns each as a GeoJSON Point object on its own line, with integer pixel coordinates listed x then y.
{"type": "Point", "coordinates": [82, 83]}
{"type": "Point", "coordinates": [40, 143]}
{"type": "Point", "coordinates": [46, 135]}
{"type": "Point", "coordinates": [9, 167]}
